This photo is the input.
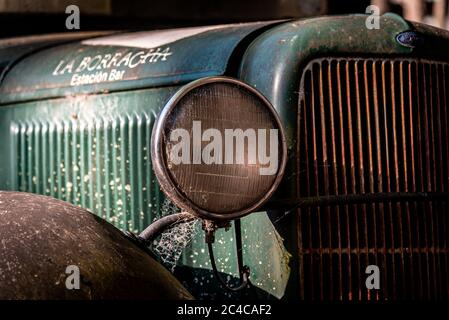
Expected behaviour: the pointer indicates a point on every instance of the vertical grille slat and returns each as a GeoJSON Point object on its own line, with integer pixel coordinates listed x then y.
{"type": "Point", "coordinates": [327, 233]}
{"type": "Point", "coordinates": [361, 174]}
{"type": "Point", "coordinates": [93, 163]}
{"type": "Point", "coordinates": [445, 240]}
{"type": "Point", "coordinates": [408, 156]}
{"type": "Point", "coordinates": [373, 126]}
{"type": "Point", "coordinates": [336, 233]}
{"type": "Point", "coordinates": [377, 233]}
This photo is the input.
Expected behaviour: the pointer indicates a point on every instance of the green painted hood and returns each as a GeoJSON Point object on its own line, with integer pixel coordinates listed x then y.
{"type": "Point", "coordinates": [13, 50]}
{"type": "Point", "coordinates": [125, 61]}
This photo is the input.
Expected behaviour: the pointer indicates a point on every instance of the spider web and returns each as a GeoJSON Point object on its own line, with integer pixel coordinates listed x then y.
{"type": "Point", "coordinates": [170, 245]}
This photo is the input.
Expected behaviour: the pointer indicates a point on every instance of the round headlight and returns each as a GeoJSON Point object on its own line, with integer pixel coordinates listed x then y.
{"type": "Point", "coordinates": [218, 148]}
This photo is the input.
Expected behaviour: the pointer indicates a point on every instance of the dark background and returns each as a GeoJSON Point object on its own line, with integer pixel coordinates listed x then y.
{"type": "Point", "coordinates": [27, 17]}
{"type": "Point", "coordinates": [30, 17]}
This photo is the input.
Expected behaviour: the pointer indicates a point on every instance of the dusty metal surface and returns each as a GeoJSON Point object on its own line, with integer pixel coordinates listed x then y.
{"type": "Point", "coordinates": [274, 64]}
{"type": "Point", "coordinates": [41, 236]}
{"type": "Point", "coordinates": [13, 50]}
{"type": "Point", "coordinates": [275, 60]}
{"type": "Point", "coordinates": [94, 151]}
{"type": "Point", "coordinates": [374, 126]}
{"type": "Point", "coordinates": [125, 61]}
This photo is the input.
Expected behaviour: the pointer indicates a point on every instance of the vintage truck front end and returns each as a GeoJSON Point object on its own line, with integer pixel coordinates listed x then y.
{"type": "Point", "coordinates": [366, 125]}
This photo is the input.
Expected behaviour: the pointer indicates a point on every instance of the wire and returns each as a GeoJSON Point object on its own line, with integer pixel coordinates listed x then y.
{"type": "Point", "coordinates": [244, 274]}
{"type": "Point", "coordinates": [157, 227]}
{"type": "Point", "coordinates": [244, 270]}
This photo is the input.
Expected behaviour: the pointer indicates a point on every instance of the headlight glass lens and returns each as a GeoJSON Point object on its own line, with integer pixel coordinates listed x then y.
{"type": "Point", "coordinates": [221, 148]}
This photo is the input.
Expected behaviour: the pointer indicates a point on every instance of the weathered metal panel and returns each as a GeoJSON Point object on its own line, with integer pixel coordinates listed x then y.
{"type": "Point", "coordinates": [125, 61]}
{"type": "Point", "coordinates": [92, 151]}
{"type": "Point", "coordinates": [274, 64]}
{"type": "Point", "coordinates": [13, 49]}
{"type": "Point", "coordinates": [274, 60]}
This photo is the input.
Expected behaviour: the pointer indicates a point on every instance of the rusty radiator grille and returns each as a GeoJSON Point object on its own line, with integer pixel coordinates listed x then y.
{"type": "Point", "coordinates": [368, 126]}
